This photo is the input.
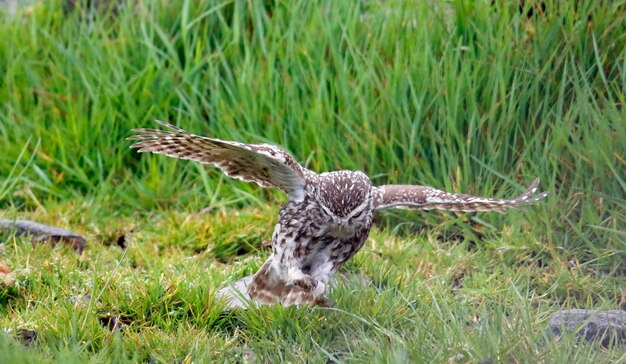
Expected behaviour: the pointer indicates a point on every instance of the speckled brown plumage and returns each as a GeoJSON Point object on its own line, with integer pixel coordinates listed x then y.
{"type": "Point", "coordinates": [327, 218]}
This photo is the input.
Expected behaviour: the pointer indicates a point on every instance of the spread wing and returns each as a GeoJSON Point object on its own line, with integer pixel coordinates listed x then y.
{"type": "Point", "coordinates": [428, 198]}
{"type": "Point", "coordinates": [267, 165]}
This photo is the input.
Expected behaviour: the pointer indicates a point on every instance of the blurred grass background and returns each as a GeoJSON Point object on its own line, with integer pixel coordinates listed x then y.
{"type": "Point", "coordinates": [474, 97]}
{"type": "Point", "coordinates": [462, 96]}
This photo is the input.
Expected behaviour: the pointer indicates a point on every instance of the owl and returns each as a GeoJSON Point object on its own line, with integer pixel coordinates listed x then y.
{"type": "Point", "coordinates": [327, 218]}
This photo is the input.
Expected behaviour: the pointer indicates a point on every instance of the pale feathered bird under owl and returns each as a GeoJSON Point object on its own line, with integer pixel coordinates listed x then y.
{"type": "Point", "coordinates": [327, 218]}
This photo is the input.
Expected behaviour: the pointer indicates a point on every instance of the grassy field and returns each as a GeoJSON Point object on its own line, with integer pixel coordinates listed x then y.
{"type": "Point", "coordinates": [474, 97]}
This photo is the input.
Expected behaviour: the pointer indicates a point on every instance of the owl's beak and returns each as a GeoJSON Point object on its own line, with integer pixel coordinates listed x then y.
{"type": "Point", "coordinates": [343, 228]}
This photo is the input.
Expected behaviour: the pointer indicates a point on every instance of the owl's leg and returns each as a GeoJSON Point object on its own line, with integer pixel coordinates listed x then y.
{"type": "Point", "coordinates": [311, 276]}
{"type": "Point", "coordinates": [323, 277]}
{"type": "Point", "coordinates": [297, 278]}
{"type": "Point", "coordinates": [268, 285]}
{"type": "Point", "coordinates": [292, 264]}
{"type": "Point", "coordinates": [314, 289]}
{"type": "Point", "coordinates": [295, 268]}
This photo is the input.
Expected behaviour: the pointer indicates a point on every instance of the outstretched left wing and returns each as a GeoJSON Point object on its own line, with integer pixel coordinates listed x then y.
{"type": "Point", "coordinates": [428, 198]}
{"type": "Point", "coordinates": [267, 165]}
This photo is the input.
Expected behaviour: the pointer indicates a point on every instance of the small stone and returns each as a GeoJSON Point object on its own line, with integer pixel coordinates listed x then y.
{"type": "Point", "coordinates": [115, 322]}
{"type": "Point", "coordinates": [591, 325]}
{"type": "Point", "coordinates": [248, 355]}
{"type": "Point", "coordinates": [40, 233]}
{"type": "Point", "coordinates": [235, 295]}
{"type": "Point", "coordinates": [26, 337]}
{"type": "Point", "coordinates": [80, 300]}
{"type": "Point", "coordinates": [7, 276]}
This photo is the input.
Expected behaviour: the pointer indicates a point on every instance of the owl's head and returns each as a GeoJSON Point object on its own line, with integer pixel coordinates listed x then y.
{"type": "Point", "coordinates": [345, 194]}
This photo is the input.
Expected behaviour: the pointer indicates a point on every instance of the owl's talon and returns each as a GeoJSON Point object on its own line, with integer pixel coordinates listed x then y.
{"type": "Point", "coordinates": [306, 283]}
{"type": "Point", "coordinates": [323, 302]}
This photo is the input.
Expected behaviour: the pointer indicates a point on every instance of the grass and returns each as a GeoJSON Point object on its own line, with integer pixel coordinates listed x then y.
{"type": "Point", "coordinates": [466, 96]}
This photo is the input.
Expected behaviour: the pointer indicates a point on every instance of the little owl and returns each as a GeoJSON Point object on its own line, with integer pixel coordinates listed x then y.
{"type": "Point", "coordinates": [328, 215]}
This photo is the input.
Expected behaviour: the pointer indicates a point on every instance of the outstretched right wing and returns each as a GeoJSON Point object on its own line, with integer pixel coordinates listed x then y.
{"type": "Point", "coordinates": [267, 165]}
{"type": "Point", "coordinates": [428, 198]}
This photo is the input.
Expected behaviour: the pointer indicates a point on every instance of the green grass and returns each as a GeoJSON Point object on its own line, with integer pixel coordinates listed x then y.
{"type": "Point", "coordinates": [465, 96]}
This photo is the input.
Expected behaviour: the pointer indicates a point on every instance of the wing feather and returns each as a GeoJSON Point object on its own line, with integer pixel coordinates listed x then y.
{"type": "Point", "coordinates": [267, 165]}
{"type": "Point", "coordinates": [428, 198]}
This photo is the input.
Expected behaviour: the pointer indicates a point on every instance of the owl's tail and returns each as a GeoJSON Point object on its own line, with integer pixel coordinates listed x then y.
{"type": "Point", "coordinates": [268, 288]}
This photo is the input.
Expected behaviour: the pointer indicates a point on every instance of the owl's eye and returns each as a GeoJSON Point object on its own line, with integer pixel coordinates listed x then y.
{"type": "Point", "coordinates": [357, 215]}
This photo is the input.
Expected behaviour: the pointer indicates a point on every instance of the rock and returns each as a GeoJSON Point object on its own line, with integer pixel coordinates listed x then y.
{"type": "Point", "coordinates": [235, 295]}
{"type": "Point", "coordinates": [80, 300]}
{"type": "Point", "coordinates": [7, 277]}
{"type": "Point", "coordinates": [115, 322]}
{"type": "Point", "coordinates": [41, 233]}
{"type": "Point", "coordinates": [26, 337]}
{"type": "Point", "coordinates": [248, 355]}
{"type": "Point", "coordinates": [590, 325]}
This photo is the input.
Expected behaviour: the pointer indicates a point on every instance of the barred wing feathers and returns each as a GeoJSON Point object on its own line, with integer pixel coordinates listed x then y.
{"type": "Point", "coordinates": [428, 198]}
{"type": "Point", "coordinates": [267, 165]}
